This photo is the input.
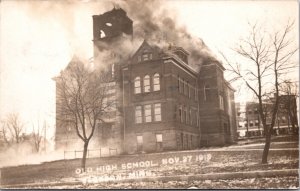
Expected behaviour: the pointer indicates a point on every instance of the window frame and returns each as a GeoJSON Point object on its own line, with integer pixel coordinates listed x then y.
{"type": "Point", "coordinates": [147, 113]}
{"type": "Point", "coordinates": [206, 92]}
{"type": "Point", "coordinates": [157, 114]}
{"type": "Point", "coordinates": [137, 85]}
{"type": "Point", "coordinates": [138, 116]}
{"type": "Point", "coordinates": [147, 83]}
{"type": "Point", "coordinates": [156, 82]}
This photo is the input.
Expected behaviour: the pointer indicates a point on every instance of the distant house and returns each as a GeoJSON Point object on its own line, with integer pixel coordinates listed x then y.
{"type": "Point", "coordinates": [163, 103]}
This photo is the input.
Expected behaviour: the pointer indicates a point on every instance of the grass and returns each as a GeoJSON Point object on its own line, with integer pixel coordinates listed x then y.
{"type": "Point", "coordinates": [221, 161]}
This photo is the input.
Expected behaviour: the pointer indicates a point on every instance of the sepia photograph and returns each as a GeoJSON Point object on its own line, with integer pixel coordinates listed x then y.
{"type": "Point", "coordinates": [149, 94]}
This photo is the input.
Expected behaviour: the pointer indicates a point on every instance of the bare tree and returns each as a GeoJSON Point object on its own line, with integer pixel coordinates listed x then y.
{"type": "Point", "coordinates": [37, 132]}
{"type": "Point", "coordinates": [289, 105]}
{"type": "Point", "coordinates": [267, 58]}
{"type": "Point", "coordinates": [82, 94]}
{"type": "Point", "coordinates": [15, 127]}
{"type": "Point", "coordinates": [4, 132]}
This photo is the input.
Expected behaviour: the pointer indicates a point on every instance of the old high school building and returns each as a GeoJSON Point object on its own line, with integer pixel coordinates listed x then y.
{"type": "Point", "coordinates": [163, 103]}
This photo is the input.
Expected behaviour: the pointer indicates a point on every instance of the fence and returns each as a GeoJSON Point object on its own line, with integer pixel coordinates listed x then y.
{"type": "Point", "coordinates": [91, 153]}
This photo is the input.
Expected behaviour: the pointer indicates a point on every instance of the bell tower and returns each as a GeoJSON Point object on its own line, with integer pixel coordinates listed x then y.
{"type": "Point", "coordinates": [110, 30]}
{"type": "Point", "coordinates": [110, 26]}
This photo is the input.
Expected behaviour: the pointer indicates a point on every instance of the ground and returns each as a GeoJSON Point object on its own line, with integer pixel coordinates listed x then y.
{"type": "Point", "coordinates": [220, 171]}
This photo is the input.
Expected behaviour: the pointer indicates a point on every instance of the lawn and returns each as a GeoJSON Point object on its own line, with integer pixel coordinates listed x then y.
{"type": "Point", "coordinates": [237, 158]}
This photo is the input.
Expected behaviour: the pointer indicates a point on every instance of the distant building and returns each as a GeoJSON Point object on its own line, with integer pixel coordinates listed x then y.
{"type": "Point", "coordinates": [163, 103]}
{"type": "Point", "coordinates": [286, 120]}
{"type": "Point", "coordinates": [2, 140]}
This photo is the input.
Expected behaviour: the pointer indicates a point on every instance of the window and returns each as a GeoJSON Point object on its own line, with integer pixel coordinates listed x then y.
{"type": "Point", "coordinates": [179, 85]}
{"type": "Point", "coordinates": [190, 117]}
{"type": "Point", "coordinates": [256, 122]}
{"type": "Point", "coordinates": [197, 119]}
{"type": "Point", "coordinates": [159, 138]}
{"type": "Point", "coordinates": [251, 123]}
{"type": "Point", "coordinates": [180, 114]}
{"type": "Point", "coordinates": [240, 124]}
{"type": "Point", "coordinates": [148, 115]}
{"type": "Point", "coordinates": [159, 142]}
{"type": "Point", "coordinates": [196, 94]}
{"type": "Point", "coordinates": [102, 34]}
{"type": "Point", "coordinates": [113, 70]}
{"type": "Point", "coordinates": [145, 57]}
{"type": "Point", "coordinates": [221, 102]}
{"type": "Point", "coordinates": [283, 119]}
{"type": "Point", "coordinates": [147, 83]}
{"type": "Point", "coordinates": [137, 85]}
{"type": "Point", "coordinates": [184, 116]}
{"type": "Point", "coordinates": [156, 82]}
{"type": "Point", "coordinates": [139, 58]}
{"type": "Point", "coordinates": [184, 86]}
{"type": "Point", "coordinates": [157, 112]}
{"type": "Point", "coordinates": [206, 93]}
{"type": "Point", "coordinates": [138, 114]}
{"type": "Point", "coordinates": [190, 91]}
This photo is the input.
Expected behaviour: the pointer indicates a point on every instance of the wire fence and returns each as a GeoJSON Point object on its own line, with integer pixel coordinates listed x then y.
{"type": "Point", "coordinates": [91, 153]}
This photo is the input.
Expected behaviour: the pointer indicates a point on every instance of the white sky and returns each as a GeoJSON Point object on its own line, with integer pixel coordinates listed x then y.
{"type": "Point", "coordinates": [37, 42]}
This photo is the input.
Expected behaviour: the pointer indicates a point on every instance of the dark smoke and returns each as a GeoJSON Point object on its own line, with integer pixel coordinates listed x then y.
{"type": "Point", "coordinates": [154, 21]}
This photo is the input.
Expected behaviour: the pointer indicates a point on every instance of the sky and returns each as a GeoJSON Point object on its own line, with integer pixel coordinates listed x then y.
{"type": "Point", "coordinates": [38, 39]}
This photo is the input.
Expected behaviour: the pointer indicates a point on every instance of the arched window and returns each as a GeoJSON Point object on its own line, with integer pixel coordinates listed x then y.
{"type": "Point", "coordinates": [156, 82]}
{"type": "Point", "coordinates": [137, 85]}
{"type": "Point", "coordinates": [206, 92]}
{"type": "Point", "coordinates": [147, 83]}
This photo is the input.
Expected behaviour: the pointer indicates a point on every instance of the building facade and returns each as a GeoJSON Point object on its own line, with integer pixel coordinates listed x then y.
{"type": "Point", "coordinates": [163, 103]}
{"type": "Point", "coordinates": [286, 121]}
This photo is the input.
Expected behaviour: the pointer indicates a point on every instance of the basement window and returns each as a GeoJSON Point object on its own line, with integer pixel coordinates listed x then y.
{"type": "Point", "coordinates": [159, 142]}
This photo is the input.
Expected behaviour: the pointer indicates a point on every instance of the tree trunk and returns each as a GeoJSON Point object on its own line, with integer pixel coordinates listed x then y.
{"type": "Point", "coordinates": [267, 147]}
{"type": "Point", "coordinates": [83, 160]}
